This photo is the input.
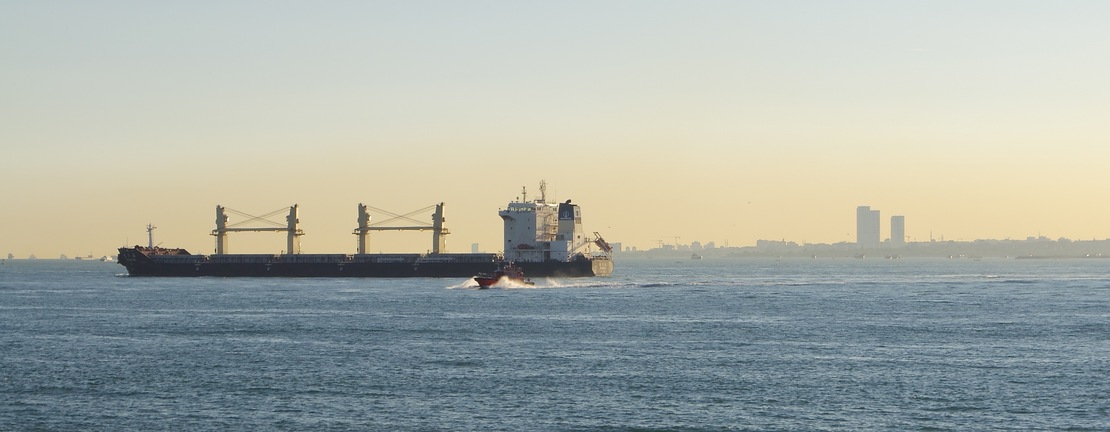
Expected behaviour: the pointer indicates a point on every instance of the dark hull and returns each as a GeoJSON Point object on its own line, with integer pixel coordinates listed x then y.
{"type": "Point", "coordinates": [443, 265]}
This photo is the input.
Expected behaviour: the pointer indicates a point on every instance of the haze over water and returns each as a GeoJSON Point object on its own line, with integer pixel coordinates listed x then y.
{"type": "Point", "coordinates": [710, 121]}
{"type": "Point", "coordinates": [714, 344]}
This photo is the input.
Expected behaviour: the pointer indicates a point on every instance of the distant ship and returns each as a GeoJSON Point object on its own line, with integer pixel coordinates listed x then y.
{"type": "Point", "coordinates": [546, 238]}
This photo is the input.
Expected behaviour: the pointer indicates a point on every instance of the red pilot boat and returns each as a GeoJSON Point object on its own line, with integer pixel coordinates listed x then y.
{"type": "Point", "coordinates": [508, 272]}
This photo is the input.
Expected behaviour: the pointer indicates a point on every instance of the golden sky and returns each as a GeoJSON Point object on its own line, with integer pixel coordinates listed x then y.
{"type": "Point", "coordinates": [709, 121]}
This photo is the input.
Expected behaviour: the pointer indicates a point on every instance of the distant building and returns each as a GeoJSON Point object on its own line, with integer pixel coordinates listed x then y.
{"type": "Point", "coordinates": [775, 244]}
{"type": "Point", "coordinates": [695, 246]}
{"type": "Point", "coordinates": [898, 230]}
{"type": "Point", "coordinates": [867, 227]}
{"type": "Point", "coordinates": [474, 247]}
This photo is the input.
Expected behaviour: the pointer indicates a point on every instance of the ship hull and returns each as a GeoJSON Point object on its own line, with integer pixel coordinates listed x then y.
{"type": "Point", "coordinates": [141, 262]}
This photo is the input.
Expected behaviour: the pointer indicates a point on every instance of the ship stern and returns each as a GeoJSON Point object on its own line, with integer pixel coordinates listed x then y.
{"type": "Point", "coordinates": [602, 266]}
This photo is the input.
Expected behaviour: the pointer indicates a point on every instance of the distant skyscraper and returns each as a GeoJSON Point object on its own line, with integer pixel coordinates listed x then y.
{"type": "Point", "coordinates": [867, 227]}
{"type": "Point", "coordinates": [898, 230]}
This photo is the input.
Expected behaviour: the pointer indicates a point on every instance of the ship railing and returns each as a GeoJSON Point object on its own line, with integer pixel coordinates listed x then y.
{"type": "Point", "coordinates": [178, 259]}
{"type": "Point", "coordinates": [385, 258]}
{"type": "Point", "coordinates": [316, 258]}
{"type": "Point", "coordinates": [461, 257]}
{"type": "Point", "coordinates": [242, 258]}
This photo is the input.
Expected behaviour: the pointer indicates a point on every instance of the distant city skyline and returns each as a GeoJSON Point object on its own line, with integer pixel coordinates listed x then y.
{"type": "Point", "coordinates": [868, 235]}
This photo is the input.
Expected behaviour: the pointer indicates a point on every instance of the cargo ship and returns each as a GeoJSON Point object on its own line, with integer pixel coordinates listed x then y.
{"type": "Point", "coordinates": [546, 239]}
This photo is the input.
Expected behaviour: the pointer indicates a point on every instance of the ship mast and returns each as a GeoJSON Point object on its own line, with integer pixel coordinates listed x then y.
{"type": "Point", "coordinates": [150, 235]}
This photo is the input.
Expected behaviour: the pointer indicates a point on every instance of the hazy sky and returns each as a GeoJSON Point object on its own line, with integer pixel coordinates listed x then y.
{"type": "Point", "coordinates": [726, 121]}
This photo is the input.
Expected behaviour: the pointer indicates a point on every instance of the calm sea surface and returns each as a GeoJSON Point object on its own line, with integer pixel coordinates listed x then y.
{"type": "Point", "coordinates": [664, 344]}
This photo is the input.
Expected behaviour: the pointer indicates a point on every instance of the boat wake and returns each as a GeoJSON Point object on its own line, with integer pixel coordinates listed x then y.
{"type": "Point", "coordinates": [467, 284]}
{"type": "Point", "coordinates": [546, 283]}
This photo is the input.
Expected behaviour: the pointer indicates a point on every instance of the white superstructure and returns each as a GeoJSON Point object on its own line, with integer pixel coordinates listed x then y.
{"type": "Point", "coordinates": [537, 231]}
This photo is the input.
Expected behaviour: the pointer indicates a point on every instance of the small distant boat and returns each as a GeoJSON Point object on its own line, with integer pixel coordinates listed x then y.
{"type": "Point", "coordinates": [695, 257]}
{"type": "Point", "coordinates": [508, 272]}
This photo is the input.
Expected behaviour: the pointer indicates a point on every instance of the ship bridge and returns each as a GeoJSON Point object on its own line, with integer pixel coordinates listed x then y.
{"type": "Point", "coordinates": [537, 231]}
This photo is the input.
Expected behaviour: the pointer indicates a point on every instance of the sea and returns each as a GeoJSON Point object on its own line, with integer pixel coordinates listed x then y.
{"type": "Point", "coordinates": [664, 344]}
